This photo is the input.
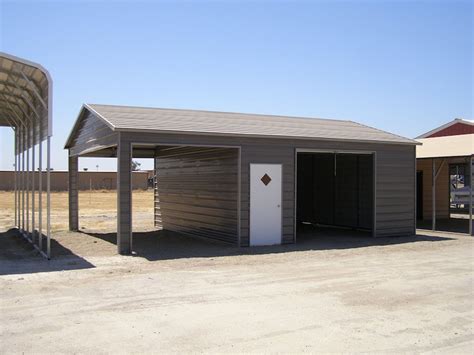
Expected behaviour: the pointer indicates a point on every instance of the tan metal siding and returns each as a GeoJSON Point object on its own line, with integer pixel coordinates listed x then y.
{"type": "Point", "coordinates": [197, 192]}
{"type": "Point", "coordinates": [73, 194]}
{"type": "Point", "coordinates": [91, 132]}
{"type": "Point", "coordinates": [395, 180]}
{"type": "Point", "coordinates": [395, 191]}
{"type": "Point", "coordinates": [124, 197]}
{"type": "Point", "coordinates": [442, 188]}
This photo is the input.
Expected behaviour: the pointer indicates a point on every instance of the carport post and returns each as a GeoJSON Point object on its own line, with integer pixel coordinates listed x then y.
{"type": "Point", "coordinates": [27, 187]}
{"type": "Point", "coordinates": [471, 175]}
{"type": "Point", "coordinates": [124, 196]}
{"type": "Point", "coordinates": [73, 194]}
{"type": "Point", "coordinates": [433, 194]}
{"type": "Point", "coordinates": [16, 176]}
{"type": "Point", "coordinates": [23, 181]}
{"type": "Point", "coordinates": [33, 188]}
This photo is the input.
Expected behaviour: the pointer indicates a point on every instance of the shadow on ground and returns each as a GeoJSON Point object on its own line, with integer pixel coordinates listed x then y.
{"type": "Point", "coordinates": [18, 256]}
{"type": "Point", "coordinates": [165, 245]}
{"type": "Point", "coordinates": [454, 225]}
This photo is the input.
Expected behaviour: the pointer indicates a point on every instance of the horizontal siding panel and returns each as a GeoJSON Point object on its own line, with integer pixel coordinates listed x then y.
{"type": "Point", "coordinates": [396, 232]}
{"type": "Point", "coordinates": [196, 191]}
{"type": "Point", "coordinates": [395, 192]}
{"type": "Point", "coordinates": [395, 183]}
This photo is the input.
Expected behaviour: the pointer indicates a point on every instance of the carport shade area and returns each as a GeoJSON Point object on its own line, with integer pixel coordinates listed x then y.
{"type": "Point", "coordinates": [250, 179]}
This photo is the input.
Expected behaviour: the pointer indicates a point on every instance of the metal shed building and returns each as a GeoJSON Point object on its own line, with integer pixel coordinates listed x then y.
{"type": "Point", "coordinates": [251, 179]}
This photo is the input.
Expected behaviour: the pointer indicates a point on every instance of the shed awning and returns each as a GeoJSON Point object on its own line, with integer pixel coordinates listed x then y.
{"type": "Point", "coordinates": [449, 146]}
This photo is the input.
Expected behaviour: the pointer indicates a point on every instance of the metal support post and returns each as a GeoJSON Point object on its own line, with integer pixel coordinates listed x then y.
{"type": "Point", "coordinates": [433, 194]}
{"type": "Point", "coordinates": [27, 187]}
{"type": "Point", "coordinates": [23, 180]}
{"type": "Point", "coordinates": [471, 175]}
{"type": "Point", "coordinates": [33, 188]}
{"type": "Point", "coordinates": [48, 198]}
{"type": "Point", "coordinates": [40, 193]}
{"type": "Point", "coordinates": [15, 179]}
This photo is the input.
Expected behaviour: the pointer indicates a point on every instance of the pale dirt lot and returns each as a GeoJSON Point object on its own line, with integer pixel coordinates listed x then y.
{"type": "Point", "coordinates": [327, 293]}
{"type": "Point", "coordinates": [97, 210]}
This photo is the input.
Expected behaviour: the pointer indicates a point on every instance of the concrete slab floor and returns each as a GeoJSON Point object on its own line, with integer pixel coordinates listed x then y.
{"type": "Point", "coordinates": [454, 225]}
{"type": "Point", "coordinates": [354, 294]}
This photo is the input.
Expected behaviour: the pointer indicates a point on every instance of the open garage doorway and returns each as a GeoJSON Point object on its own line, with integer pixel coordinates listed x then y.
{"type": "Point", "coordinates": [335, 194]}
{"type": "Point", "coordinates": [195, 191]}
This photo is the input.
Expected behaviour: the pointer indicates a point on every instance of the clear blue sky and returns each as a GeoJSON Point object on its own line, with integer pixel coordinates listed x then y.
{"type": "Point", "coordinates": [402, 66]}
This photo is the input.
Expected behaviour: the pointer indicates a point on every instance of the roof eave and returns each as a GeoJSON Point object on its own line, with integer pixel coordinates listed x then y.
{"type": "Point", "coordinates": [218, 134]}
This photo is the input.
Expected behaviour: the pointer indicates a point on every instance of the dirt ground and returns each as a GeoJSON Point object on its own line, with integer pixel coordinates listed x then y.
{"type": "Point", "coordinates": [97, 210]}
{"type": "Point", "coordinates": [327, 293]}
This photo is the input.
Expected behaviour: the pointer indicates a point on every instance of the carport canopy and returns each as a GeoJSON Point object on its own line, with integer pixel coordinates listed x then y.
{"type": "Point", "coordinates": [26, 107]}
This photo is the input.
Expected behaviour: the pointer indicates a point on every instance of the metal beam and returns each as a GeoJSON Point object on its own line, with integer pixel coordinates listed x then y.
{"type": "Point", "coordinates": [471, 200]}
{"type": "Point", "coordinates": [124, 197]}
{"type": "Point", "coordinates": [439, 168]}
{"type": "Point", "coordinates": [27, 100]}
{"type": "Point", "coordinates": [23, 179]}
{"type": "Point", "coordinates": [433, 194]}
{"type": "Point", "coordinates": [73, 193]}
{"type": "Point", "coordinates": [8, 73]}
{"type": "Point", "coordinates": [11, 94]}
{"type": "Point", "coordinates": [34, 91]}
{"type": "Point", "coordinates": [9, 117]}
{"type": "Point", "coordinates": [11, 108]}
{"type": "Point", "coordinates": [12, 123]}
{"type": "Point", "coordinates": [48, 196]}
{"type": "Point", "coordinates": [27, 186]}
{"type": "Point", "coordinates": [40, 193]}
{"type": "Point", "coordinates": [15, 179]}
{"type": "Point", "coordinates": [33, 188]}
{"type": "Point", "coordinates": [435, 174]}
{"type": "Point", "coordinates": [21, 88]}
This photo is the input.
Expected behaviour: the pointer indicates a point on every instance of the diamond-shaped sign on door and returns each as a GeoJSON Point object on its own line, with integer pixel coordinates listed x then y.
{"type": "Point", "coordinates": [266, 179]}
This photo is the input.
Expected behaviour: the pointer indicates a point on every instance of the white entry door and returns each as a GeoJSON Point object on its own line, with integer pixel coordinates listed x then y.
{"type": "Point", "coordinates": [265, 204]}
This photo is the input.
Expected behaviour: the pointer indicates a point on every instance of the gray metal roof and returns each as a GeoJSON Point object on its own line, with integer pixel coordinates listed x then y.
{"type": "Point", "coordinates": [126, 118]}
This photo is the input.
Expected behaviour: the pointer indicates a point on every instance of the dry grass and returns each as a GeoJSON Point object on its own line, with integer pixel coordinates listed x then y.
{"type": "Point", "coordinates": [97, 210]}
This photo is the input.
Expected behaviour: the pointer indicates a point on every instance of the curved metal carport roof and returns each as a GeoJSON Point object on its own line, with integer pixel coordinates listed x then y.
{"type": "Point", "coordinates": [26, 107]}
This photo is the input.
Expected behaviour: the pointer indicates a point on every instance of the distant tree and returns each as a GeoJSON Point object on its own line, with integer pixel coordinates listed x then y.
{"type": "Point", "coordinates": [135, 165]}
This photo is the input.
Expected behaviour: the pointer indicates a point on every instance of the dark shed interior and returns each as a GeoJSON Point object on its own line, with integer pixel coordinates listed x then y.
{"type": "Point", "coordinates": [335, 190]}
